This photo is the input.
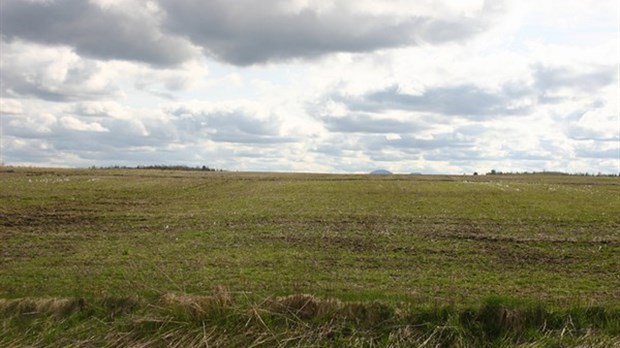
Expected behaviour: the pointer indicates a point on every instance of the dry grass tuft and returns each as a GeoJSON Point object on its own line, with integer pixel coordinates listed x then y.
{"type": "Point", "coordinates": [57, 307]}
{"type": "Point", "coordinates": [199, 306]}
{"type": "Point", "coordinates": [304, 306]}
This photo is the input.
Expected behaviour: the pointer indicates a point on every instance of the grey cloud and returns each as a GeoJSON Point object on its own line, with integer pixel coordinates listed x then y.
{"type": "Point", "coordinates": [471, 130]}
{"type": "Point", "coordinates": [118, 134]}
{"type": "Point", "coordinates": [24, 130]}
{"type": "Point", "coordinates": [143, 135]}
{"type": "Point", "coordinates": [473, 102]}
{"type": "Point", "coordinates": [90, 110]}
{"type": "Point", "coordinates": [438, 141]}
{"type": "Point", "coordinates": [577, 132]}
{"type": "Point", "coordinates": [459, 155]}
{"type": "Point", "coordinates": [413, 144]}
{"type": "Point", "coordinates": [9, 106]}
{"type": "Point", "coordinates": [99, 155]}
{"type": "Point", "coordinates": [232, 127]}
{"type": "Point", "coordinates": [386, 156]}
{"type": "Point", "coordinates": [134, 133]}
{"type": "Point", "coordinates": [366, 124]}
{"type": "Point", "coordinates": [123, 128]}
{"type": "Point", "coordinates": [548, 80]}
{"type": "Point", "coordinates": [328, 149]}
{"type": "Point", "coordinates": [259, 31]}
{"type": "Point", "coordinates": [132, 156]}
{"type": "Point", "coordinates": [440, 31]}
{"type": "Point", "coordinates": [552, 78]}
{"type": "Point", "coordinates": [34, 82]}
{"type": "Point", "coordinates": [462, 100]}
{"type": "Point", "coordinates": [596, 153]}
{"type": "Point", "coordinates": [239, 33]}
{"type": "Point", "coordinates": [126, 142]}
{"type": "Point", "coordinates": [338, 146]}
{"type": "Point", "coordinates": [515, 154]}
{"type": "Point", "coordinates": [376, 148]}
{"type": "Point", "coordinates": [444, 147]}
{"type": "Point", "coordinates": [104, 33]}
{"type": "Point", "coordinates": [26, 150]}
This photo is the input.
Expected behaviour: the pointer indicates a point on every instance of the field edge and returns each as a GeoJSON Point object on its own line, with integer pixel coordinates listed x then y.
{"type": "Point", "coordinates": [225, 319]}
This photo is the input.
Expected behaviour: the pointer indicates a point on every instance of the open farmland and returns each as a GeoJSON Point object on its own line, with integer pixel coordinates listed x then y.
{"type": "Point", "coordinates": [431, 242]}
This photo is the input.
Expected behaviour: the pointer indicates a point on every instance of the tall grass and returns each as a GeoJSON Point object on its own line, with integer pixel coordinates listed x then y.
{"type": "Point", "coordinates": [221, 319]}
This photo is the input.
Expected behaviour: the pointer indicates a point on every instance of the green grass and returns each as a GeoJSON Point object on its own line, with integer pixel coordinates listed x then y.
{"type": "Point", "coordinates": [220, 319]}
{"type": "Point", "coordinates": [422, 241]}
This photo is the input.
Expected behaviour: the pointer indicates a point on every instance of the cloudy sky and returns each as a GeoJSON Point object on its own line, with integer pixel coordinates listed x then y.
{"type": "Point", "coordinates": [431, 86]}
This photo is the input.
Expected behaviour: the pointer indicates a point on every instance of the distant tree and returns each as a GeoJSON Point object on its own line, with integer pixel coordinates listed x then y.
{"type": "Point", "coordinates": [475, 173]}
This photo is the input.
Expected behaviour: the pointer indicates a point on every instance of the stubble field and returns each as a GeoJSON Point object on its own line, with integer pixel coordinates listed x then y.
{"type": "Point", "coordinates": [408, 244]}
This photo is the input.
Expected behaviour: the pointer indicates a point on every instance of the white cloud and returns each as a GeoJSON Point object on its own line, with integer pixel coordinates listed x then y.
{"type": "Point", "coordinates": [73, 123]}
{"type": "Point", "coordinates": [11, 106]}
{"type": "Point", "coordinates": [31, 125]}
{"type": "Point", "coordinates": [52, 73]}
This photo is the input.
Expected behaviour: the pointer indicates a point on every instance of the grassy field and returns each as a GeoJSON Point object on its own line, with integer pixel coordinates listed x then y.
{"type": "Point", "coordinates": [426, 253]}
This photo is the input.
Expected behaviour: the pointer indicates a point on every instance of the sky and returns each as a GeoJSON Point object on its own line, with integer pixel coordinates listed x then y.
{"type": "Point", "coordinates": [341, 86]}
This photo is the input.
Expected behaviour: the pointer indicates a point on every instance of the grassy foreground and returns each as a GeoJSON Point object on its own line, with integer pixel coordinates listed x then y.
{"type": "Point", "coordinates": [146, 257]}
{"type": "Point", "coordinates": [297, 320]}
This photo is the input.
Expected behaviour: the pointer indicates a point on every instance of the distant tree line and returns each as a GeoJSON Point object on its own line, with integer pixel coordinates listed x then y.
{"type": "Point", "coordinates": [162, 167]}
{"type": "Point", "coordinates": [544, 172]}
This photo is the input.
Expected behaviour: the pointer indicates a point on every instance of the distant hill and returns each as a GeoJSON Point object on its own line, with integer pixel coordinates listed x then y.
{"type": "Point", "coordinates": [381, 172]}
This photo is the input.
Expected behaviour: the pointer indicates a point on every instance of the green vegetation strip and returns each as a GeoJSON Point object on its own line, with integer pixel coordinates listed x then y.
{"type": "Point", "coordinates": [221, 319]}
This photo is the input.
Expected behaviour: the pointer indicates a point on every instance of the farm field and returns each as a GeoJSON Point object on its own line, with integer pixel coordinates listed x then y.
{"type": "Point", "coordinates": [441, 245]}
